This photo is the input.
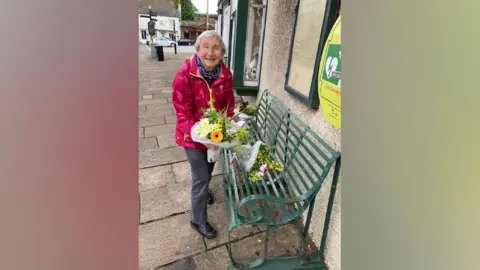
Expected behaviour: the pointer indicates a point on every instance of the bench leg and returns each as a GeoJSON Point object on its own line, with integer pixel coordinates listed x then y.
{"type": "Point", "coordinates": [309, 217]}
{"type": "Point", "coordinates": [331, 199]}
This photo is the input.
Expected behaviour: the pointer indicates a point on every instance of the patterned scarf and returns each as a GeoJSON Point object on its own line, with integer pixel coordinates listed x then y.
{"type": "Point", "coordinates": [209, 76]}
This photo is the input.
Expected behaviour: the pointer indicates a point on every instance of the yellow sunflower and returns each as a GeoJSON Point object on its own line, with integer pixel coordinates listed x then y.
{"type": "Point", "coordinates": [216, 136]}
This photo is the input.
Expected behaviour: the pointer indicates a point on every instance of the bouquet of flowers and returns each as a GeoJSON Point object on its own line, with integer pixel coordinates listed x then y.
{"type": "Point", "coordinates": [263, 163]}
{"type": "Point", "coordinates": [215, 128]}
{"type": "Point", "coordinates": [256, 160]}
{"type": "Point", "coordinates": [245, 111]}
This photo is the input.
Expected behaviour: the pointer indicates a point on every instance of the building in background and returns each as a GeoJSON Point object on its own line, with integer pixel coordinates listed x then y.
{"type": "Point", "coordinates": [202, 17]}
{"type": "Point", "coordinates": [277, 45]}
{"type": "Point", "coordinates": [192, 29]}
{"type": "Point", "coordinates": [167, 23]}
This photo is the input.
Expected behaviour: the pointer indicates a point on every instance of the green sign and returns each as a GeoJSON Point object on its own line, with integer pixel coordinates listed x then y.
{"type": "Point", "coordinates": [332, 69]}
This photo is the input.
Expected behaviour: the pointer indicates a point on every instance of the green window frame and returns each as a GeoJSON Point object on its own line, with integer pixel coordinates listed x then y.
{"type": "Point", "coordinates": [226, 10]}
{"type": "Point", "coordinates": [246, 78]}
{"type": "Point", "coordinates": [305, 88]}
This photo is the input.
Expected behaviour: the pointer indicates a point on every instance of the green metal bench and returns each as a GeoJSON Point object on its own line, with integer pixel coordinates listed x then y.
{"type": "Point", "coordinates": [281, 198]}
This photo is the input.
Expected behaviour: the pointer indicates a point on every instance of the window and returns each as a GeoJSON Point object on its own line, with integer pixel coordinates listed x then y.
{"type": "Point", "coordinates": [226, 33]}
{"type": "Point", "coordinates": [246, 45]}
{"type": "Point", "coordinates": [232, 42]}
{"type": "Point", "coordinates": [253, 43]}
{"type": "Point", "coordinates": [313, 22]}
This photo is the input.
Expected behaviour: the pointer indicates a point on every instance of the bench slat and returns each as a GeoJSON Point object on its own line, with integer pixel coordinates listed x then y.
{"type": "Point", "coordinates": [228, 191]}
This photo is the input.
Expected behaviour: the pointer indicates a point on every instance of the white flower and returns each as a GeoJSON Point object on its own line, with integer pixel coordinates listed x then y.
{"type": "Point", "coordinates": [198, 130]}
{"type": "Point", "coordinates": [204, 123]}
{"type": "Point", "coordinates": [231, 131]}
{"type": "Point", "coordinates": [211, 128]}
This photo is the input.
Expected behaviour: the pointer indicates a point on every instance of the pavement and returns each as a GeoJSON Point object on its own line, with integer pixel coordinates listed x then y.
{"type": "Point", "coordinates": [167, 242]}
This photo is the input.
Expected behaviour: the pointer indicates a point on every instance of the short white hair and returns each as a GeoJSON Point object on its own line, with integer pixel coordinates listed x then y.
{"type": "Point", "coordinates": [210, 33]}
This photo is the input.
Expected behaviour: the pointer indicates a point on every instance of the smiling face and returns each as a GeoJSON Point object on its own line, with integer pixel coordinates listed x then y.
{"type": "Point", "coordinates": [210, 52]}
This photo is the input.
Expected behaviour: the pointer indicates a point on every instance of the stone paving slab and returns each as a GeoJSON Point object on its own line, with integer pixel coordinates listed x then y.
{"type": "Point", "coordinates": [167, 96]}
{"type": "Point", "coordinates": [147, 143]}
{"type": "Point", "coordinates": [160, 82]}
{"type": "Point", "coordinates": [154, 91]}
{"type": "Point", "coordinates": [218, 219]}
{"type": "Point", "coordinates": [152, 100]}
{"type": "Point", "coordinates": [171, 119]}
{"type": "Point", "coordinates": [154, 120]}
{"type": "Point", "coordinates": [249, 248]}
{"type": "Point", "coordinates": [157, 113]}
{"type": "Point", "coordinates": [158, 157]}
{"type": "Point", "coordinates": [283, 241]}
{"type": "Point", "coordinates": [166, 141]}
{"type": "Point", "coordinates": [216, 259]}
{"type": "Point", "coordinates": [168, 240]}
{"type": "Point", "coordinates": [186, 264]}
{"type": "Point", "coordinates": [159, 106]}
{"type": "Point", "coordinates": [160, 130]}
{"type": "Point", "coordinates": [157, 203]}
{"type": "Point", "coordinates": [155, 177]}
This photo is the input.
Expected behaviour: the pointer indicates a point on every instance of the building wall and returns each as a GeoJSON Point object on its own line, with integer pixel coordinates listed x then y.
{"type": "Point", "coordinates": [278, 34]}
{"type": "Point", "coordinates": [203, 18]}
{"type": "Point", "coordinates": [163, 24]}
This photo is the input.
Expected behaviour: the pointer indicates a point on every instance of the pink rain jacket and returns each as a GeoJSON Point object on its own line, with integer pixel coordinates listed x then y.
{"type": "Point", "coordinates": [191, 93]}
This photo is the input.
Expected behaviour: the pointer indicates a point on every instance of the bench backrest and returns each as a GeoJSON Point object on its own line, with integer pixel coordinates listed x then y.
{"type": "Point", "coordinates": [306, 157]}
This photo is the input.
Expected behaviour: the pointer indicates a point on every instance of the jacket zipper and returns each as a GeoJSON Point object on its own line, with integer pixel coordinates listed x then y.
{"type": "Point", "coordinates": [209, 89]}
{"type": "Point", "coordinates": [210, 102]}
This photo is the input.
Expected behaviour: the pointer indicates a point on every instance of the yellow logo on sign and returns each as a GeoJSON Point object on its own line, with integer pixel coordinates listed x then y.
{"type": "Point", "coordinates": [329, 82]}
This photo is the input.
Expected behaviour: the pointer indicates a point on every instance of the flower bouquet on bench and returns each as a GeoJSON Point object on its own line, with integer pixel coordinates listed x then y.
{"type": "Point", "coordinates": [256, 160]}
{"type": "Point", "coordinates": [263, 164]}
{"type": "Point", "coordinates": [246, 112]}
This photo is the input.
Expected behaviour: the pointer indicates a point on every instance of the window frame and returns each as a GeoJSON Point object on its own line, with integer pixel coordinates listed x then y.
{"type": "Point", "coordinates": [329, 18]}
{"type": "Point", "coordinates": [237, 48]}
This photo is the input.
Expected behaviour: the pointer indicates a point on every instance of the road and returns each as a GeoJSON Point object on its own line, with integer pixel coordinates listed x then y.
{"type": "Point", "coordinates": [180, 49]}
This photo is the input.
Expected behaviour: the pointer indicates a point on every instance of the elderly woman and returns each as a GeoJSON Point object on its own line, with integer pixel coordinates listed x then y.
{"type": "Point", "coordinates": [202, 76]}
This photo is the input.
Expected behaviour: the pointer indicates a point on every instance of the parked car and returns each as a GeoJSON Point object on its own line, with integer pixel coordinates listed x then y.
{"type": "Point", "coordinates": [187, 42]}
{"type": "Point", "coordinates": [163, 41]}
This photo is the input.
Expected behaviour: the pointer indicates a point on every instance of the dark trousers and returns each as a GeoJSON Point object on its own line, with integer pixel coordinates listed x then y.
{"type": "Point", "coordinates": [201, 171]}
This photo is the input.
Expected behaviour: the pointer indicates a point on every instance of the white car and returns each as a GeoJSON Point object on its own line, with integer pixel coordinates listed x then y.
{"type": "Point", "coordinates": [163, 41]}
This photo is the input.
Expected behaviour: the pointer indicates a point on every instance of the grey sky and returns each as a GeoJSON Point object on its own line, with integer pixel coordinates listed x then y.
{"type": "Point", "coordinates": [202, 6]}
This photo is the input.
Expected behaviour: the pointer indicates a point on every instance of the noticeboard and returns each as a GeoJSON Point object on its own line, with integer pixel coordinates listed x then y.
{"type": "Point", "coordinates": [329, 81]}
